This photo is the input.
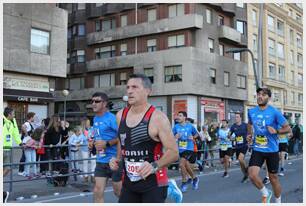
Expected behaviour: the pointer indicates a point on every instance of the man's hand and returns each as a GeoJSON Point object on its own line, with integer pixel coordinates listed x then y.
{"type": "Point", "coordinates": [249, 139]}
{"type": "Point", "coordinates": [90, 144]}
{"type": "Point", "coordinates": [271, 130]}
{"type": "Point", "coordinates": [145, 170]}
{"type": "Point", "coordinates": [114, 163]}
{"type": "Point", "coordinates": [100, 144]}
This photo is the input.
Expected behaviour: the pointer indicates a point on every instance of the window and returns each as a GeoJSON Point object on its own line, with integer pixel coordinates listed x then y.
{"type": "Point", "coordinates": [285, 97]}
{"type": "Point", "coordinates": [40, 41]}
{"type": "Point", "coordinates": [123, 49]}
{"type": "Point", "coordinates": [240, 26]}
{"type": "Point", "coordinates": [300, 80]}
{"type": "Point", "coordinates": [241, 5]}
{"type": "Point", "coordinates": [208, 16]}
{"type": "Point", "coordinates": [80, 56]}
{"type": "Point", "coordinates": [221, 50]}
{"type": "Point", "coordinates": [291, 37]}
{"type": "Point", "coordinates": [290, 13]}
{"type": "Point", "coordinates": [176, 10]}
{"type": "Point", "coordinates": [68, 58]}
{"type": "Point", "coordinates": [270, 23]}
{"type": "Point", "coordinates": [104, 80]}
{"type": "Point", "coordinates": [149, 73]}
{"type": "Point", "coordinates": [74, 30]}
{"type": "Point", "coordinates": [173, 73]}
{"type": "Point", "coordinates": [151, 14]}
{"type": "Point", "coordinates": [81, 6]}
{"type": "Point", "coordinates": [81, 30]}
{"type": "Point", "coordinates": [76, 83]}
{"type": "Point", "coordinates": [300, 60]}
{"type": "Point", "coordinates": [280, 51]}
{"type": "Point", "coordinates": [211, 45]}
{"type": "Point", "coordinates": [241, 81]}
{"type": "Point", "coordinates": [292, 77]}
{"type": "Point", "coordinates": [151, 45]}
{"type": "Point", "coordinates": [272, 71]}
{"type": "Point", "coordinates": [299, 40]}
{"type": "Point", "coordinates": [226, 79]}
{"type": "Point", "coordinates": [298, 18]}
{"type": "Point", "coordinates": [280, 28]}
{"type": "Point", "coordinates": [176, 41]}
{"type": "Point", "coordinates": [73, 58]}
{"type": "Point", "coordinates": [271, 43]}
{"type": "Point", "coordinates": [254, 17]}
{"type": "Point", "coordinates": [237, 56]}
{"type": "Point", "coordinates": [123, 20]}
{"type": "Point", "coordinates": [99, 4]}
{"type": "Point", "coordinates": [281, 73]}
{"type": "Point", "coordinates": [220, 20]}
{"type": "Point", "coordinates": [105, 52]}
{"type": "Point", "coordinates": [108, 24]}
{"type": "Point", "coordinates": [69, 33]}
{"type": "Point", "coordinates": [98, 25]}
{"type": "Point", "coordinates": [291, 57]}
{"type": "Point", "coordinates": [212, 75]}
{"type": "Point", "coordinates": [292, 98]}
{"type": "Point", "coordinates": [123, 78]}
{"type": "Point", "coordinates": [300, 99]}
{"type": "Point", "coordinates": [276, 96]}
{"type": "Point", "coordinates": [255, 45]}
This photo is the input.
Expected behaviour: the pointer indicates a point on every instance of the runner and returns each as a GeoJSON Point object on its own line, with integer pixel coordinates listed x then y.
{"type": "Point", "coordinates": [106, 143]}
{"type": "Point", "coordinates": [239, 129]}
{"type": "Point", "coordinates": [185, 133]}
{"type": "Point", "coordinates": [283, 149]}
{"type": "Point", "coordinates": [144, 134]}
{"type": "Point", "coordinates": [264, 120]}
{"type": "Point", "coordinates": [225, 146]}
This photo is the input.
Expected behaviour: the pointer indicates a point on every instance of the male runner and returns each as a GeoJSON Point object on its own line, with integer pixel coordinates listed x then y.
{"type": "Point", "coordinates": [283, 149]}
{"type": "Point", "coordinates": [145, 133]}
{"type": "Point", "coordinates": [265, 119]}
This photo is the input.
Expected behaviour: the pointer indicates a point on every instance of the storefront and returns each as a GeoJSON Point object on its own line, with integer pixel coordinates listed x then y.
{"type": "Point", "coordinates": [212, 110]}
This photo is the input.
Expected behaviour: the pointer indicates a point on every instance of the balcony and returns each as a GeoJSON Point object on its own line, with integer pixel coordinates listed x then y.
{"type": "Point", "coordinates": [231, 36]}
{"type": "Point", "coordinates": [147, 28]}
{"type": "Point", "coordinates": [92, 11]}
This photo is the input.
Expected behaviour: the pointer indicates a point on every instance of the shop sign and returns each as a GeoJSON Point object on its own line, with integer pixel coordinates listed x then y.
{"type": "Point", "coordinates": [21, 83]}
{"type": "Point", "coordinates": [27, 99]}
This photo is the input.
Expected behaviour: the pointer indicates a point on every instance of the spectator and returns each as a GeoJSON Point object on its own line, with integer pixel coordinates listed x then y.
{"type": "Point", "coordinates": [64, 139]}
{"type": "Point", "coordinates": [297, 136]}
{"type": "Point", "coordinates": [41, 152]}
{"type": "Point", "coordinates": [212, 131]}
{"type": "Point", "coordinates": [74, 145]}
{"type": "Point", "coordinates": [206, 142]}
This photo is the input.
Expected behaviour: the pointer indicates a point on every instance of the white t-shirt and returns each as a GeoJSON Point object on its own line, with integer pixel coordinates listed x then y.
{"type": "Point", "coordinates": [28, 125]}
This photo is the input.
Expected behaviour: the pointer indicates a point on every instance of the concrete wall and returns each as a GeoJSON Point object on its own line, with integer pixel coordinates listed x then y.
{"type": "Point", "coordinates": [18, 19]}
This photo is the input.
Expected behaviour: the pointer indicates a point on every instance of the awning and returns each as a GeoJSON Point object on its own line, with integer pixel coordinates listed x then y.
{"type": "Point", "coordinates": [27, 96]}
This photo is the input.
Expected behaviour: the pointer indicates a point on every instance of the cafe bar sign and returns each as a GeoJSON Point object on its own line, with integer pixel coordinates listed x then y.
{"type": "Point", "coordinates": [25, 83]}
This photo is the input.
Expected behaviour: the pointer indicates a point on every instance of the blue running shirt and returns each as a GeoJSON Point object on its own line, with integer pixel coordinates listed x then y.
{"type": "Point", "coordinates": [225, 142]}
{"type": "Point", "coordinates": [185, 132]}
{"type": "Point", "coordinates": [264, 141]}
{"type": "Point", "coordinates": [105, 128]}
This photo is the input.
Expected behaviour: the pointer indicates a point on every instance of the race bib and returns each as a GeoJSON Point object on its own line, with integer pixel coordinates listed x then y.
{"type": "Point", "coordinates": [261, 141]}
{"type": "Point", "coordinates": [223, 147]}
{"type": "Point", "coordinates": [182, 144]}
{"type": "Point", "coordinates": [8, 138]}
{"type": "Point", "coordinates": [102, 153]}
{"type": "Point", "coordinates": [132, 169]}
{"type": "Point", "coordinates": [239, 139]}
{"type": "Point", "coordinates": [282, 136]}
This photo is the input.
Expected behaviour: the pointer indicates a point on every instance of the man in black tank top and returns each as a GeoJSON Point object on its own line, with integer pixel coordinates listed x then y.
{"type": "Point", "coordinates": [145, 134]}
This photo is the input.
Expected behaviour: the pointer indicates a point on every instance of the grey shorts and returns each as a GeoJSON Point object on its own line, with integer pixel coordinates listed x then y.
{"type": "Point", "coordinates": [6, 158]}
{"type": "Point", "coordinates": [103, 170]}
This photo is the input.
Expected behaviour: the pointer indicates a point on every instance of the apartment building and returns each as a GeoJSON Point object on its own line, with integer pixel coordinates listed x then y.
{"type": "Point", "coordinates": [180, 47]}
{"type": "Point", "coordinates": [34, 54]}
{"type": "Point", "coordinates": [282, 55]}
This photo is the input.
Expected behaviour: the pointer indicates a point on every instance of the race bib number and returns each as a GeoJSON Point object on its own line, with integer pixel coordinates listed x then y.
{"type": "Point", "coordinates": [239, 140]}
{"type": "Point", "coordinates": [223, 147]}
{"type": "Point", "coordinates": [182, 144]}
{"type": "Point", "coordinates": [8, 138]}
{"type": "Point", "coordinates": [132, 169]}
{"type": "Point", "coordinates": [261, 141]}
{"type": "Point", "coordinates": [283, 136]}
{"type": "Point", "coordinates": [102, 153]}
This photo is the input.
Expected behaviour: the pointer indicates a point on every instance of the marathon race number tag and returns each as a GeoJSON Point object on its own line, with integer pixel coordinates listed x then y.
{"type": "Point", "coordinates": [282, 136]}
{"type": "Point", "coordinates": [132, 169]}
{"type": "Point", "coordinates": [239, 140]}
{"type": "Point", "coordinates": [223, 147]}
{"type": "Point", "coordinates": [182, 144]}
{"type": "Point", "coordinates": [8, 138]}
{"type": "Point", "coordinates": [261, 141]}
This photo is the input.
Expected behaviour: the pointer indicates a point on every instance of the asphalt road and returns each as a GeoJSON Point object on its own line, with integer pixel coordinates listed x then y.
{"type": "Point", "coordinates": [212, 189]}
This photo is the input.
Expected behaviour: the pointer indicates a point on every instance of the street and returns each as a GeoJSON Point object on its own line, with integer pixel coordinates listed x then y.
{"type": "Point", "coordinates": [212, 189]}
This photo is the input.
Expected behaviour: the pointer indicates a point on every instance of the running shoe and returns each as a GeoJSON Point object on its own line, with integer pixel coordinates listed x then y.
{"type": "Point", "coordinates": [189, 181]}
{"type": "Point", "coordinates": [225, 175]}
{"type": "Point", "coordinates": [184, 186]}
{"type": "Point", "coordinates": [268, 198]}
{"type": "Point", "coordinates": [174, 193]}
{"type": "Point", "coordinates": [5, 196]}
{"type": "Point", "coordinates": [281, 173]}
{"type": "Point", "coordinates": [244, 179]}
{"type": "Point", "coordinates": [21, 173]}
{"type": "Point", "coordinates": [266, 180]}
{"type": "Point", "coordinates": [195, 183]}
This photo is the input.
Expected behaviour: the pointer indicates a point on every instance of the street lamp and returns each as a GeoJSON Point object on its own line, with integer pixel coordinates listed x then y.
{"type": "Point", "coordinates": [239, 50]}
{"type": "Point", "coordinates": [65, 92]}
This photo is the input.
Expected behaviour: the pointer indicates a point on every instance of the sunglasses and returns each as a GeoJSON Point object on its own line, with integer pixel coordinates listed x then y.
{"type": "Point", "coordinates": [96, 101]}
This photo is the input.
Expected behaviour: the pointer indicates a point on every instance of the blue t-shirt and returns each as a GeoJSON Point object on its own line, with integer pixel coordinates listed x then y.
{"type": "Point", "coordinates": [185, 132]}
{"type": "Point", "coordinates": [225, 142]}
{"type": "Point", "coordinates": [264, 141]}
{"type": "Point", "coordinates": [105, 128]}
{"type": "Point", "coordinates": [240, 132]}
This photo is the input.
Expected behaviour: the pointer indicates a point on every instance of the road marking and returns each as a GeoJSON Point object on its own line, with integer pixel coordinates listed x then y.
{"type": "Point", "coordinates": [110, 189]}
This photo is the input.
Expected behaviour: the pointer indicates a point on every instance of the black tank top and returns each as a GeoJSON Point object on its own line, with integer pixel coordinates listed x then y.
{"type": "Point", "coordinates": [137, 146]}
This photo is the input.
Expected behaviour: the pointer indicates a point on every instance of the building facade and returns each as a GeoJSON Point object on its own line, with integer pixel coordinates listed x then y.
{"type": "Point", "coordinates": [34, 54]}
{"type": "Point", "coordinates": [282, 55]}
{"type": "Point", "coordinates": [180, 47]}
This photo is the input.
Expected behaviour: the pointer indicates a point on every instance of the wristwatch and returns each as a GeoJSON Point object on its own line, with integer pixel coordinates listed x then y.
{"type": "Point", "coordinates": [155, 166]}
{"type": "Point", "coordinates": [107, 144]}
